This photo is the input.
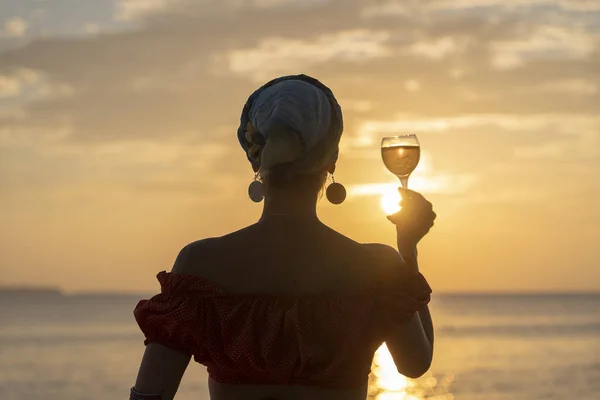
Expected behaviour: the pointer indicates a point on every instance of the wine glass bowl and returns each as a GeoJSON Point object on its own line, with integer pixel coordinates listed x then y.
{"type": "Point", "coordinates": [401, 155]}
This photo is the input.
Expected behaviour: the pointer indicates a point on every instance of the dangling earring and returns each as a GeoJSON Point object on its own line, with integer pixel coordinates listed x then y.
{"type": "Point", "coordinates": [336, 192]}
{"type": "Point", "coordinates": [256, 190]}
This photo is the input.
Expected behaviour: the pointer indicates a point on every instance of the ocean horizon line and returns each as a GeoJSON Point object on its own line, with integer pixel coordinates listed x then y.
{"type": "Point", "coordinates": [57, 291]}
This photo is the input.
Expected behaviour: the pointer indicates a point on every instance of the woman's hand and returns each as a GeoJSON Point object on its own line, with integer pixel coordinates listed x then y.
{"type": "Point", "coordinates": [415, 219]}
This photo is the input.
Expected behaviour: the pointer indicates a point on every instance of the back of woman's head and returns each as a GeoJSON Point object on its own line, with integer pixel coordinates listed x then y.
{"type": "Point", "coordinates": [290, 129]}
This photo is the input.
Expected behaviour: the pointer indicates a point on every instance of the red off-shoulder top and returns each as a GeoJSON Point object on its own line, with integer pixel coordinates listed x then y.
{"type": "Point", "coordinates": [323, 340]}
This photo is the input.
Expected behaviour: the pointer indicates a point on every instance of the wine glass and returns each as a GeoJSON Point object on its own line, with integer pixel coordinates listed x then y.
{"type": "Point", "coordinates": [401, 155]}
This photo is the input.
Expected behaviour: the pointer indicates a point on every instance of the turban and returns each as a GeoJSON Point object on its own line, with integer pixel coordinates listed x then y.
{"type": "Point", "coordinates": [292, 123]}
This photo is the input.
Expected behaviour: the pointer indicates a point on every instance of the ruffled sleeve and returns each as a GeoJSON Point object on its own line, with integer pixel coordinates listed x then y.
{"type": "Point", "coordinates": [174, 317]}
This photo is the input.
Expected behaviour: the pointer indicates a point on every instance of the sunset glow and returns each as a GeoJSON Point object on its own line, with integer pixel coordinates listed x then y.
{"type": "Point", "coordinates": [119, 146]}
{"type": "Point", "coordinates": [118, 131]}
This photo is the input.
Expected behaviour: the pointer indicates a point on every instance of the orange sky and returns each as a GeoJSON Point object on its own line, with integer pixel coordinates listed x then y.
{"type": "Point", "coordinates": [118, 131]}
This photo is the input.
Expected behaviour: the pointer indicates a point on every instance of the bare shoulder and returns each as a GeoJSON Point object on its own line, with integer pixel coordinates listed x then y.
{"type": "Point", "coordinates": [369, 252]}
{"type": "Point", "coordinates": [187, 260]}
{"type": "Point", "coordinates": [304, 259]}
{"type": "Point", "coordinates": [201, 256]}
{"type": "Point", "coordinates": [384, 253]}
{"type": "Point", "coordinates": [387, 260]}
{"type": "Point", "coordinates": [371, 258]}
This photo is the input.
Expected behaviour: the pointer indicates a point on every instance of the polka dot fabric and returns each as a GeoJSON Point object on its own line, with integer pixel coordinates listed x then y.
{"type": "Point", "coordinates": [322, 340]}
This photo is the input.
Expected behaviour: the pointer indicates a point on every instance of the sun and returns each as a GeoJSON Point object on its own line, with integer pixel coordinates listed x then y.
{"type": "Point", "coordinates": [390, 200]}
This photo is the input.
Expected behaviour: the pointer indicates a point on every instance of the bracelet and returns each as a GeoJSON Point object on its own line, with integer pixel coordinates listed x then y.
{"type": "Point", "coordinates": [135, 395]}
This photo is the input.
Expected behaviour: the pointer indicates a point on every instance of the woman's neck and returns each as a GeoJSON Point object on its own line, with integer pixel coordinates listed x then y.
{"type": "Point", "coordinates": [291, 205]}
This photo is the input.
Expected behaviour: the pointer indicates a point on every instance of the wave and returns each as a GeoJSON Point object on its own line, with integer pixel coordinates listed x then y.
{"type": "Point", "coordinates": [521, 329]}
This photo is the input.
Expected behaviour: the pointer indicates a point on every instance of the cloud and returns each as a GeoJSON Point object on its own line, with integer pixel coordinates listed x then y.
{"type": "Point", "coordinates": [139, 165]}
{"type": "Point", "coordinates": [279, 3]}
{"type": "Point", "coordinates": [132, 129]}
{"type": "Point", "coordinates": [566, 124]}
{"type": "Point", "coordinates": [127, 10]}
{"type": "Point", "coordinates": [463, 144]}
{"type": "Point", "coordinates": [412, 85]}
{"type": "Point", "coordinates": [9, 86]}
{"type": "Point", "coordinates": [183, 71]}
{"type": "Point", "coordinates": [91, 28]}
{"type": "Point", "coordinates": [569, 5]}
{"type": "Point", "coordinates": [553, 150]}
{"type": "Point", "coordinates": [580, 5]}
{"type": "Point", "coordinates": [440, 47]}
{"type": "Point", "coordinates": [277, 55]}
{"type": "Point", "coordinates": [15, 27]}
{"type": "Point", "coordinates": [545, 42]}
{"type": "Point", "coordinates": [14, 84]}
{"type": "Point", "coordinates": [573, 86]}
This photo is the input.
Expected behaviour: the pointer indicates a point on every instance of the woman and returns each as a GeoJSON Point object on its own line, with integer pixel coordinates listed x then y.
{"type": "Point", "coordinates": [288, 308]}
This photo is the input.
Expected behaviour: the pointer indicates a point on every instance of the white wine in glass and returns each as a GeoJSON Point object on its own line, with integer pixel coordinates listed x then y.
{"type": "Point", "coordinates": [401, 155]}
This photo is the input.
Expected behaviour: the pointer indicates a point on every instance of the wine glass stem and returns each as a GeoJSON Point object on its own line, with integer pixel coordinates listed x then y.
{"type": "Point", "coordinates": [404, 181]}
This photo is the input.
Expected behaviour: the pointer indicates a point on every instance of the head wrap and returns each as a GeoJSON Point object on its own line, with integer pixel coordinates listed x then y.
{"type": "Point", "coordinates": [293, 123]}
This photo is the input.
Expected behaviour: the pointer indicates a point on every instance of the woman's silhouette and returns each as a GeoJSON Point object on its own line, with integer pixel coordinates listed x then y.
{"type": "Point", "coordinates": [288, 308]}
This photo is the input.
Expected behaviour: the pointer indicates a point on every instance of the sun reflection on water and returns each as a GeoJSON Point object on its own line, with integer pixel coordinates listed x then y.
{"type": "Point", "coordinates": [385, 383]}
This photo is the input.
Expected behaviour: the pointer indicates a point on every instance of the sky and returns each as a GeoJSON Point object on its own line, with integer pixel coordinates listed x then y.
{"type": "Point", "coordinates": [118, 128]}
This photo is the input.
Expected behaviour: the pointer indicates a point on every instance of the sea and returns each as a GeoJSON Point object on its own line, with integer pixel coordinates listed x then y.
{"type": "Point", "coordinates": [487, 347]}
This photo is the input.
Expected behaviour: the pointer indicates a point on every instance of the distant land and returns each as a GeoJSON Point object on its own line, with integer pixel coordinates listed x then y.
{"type": "Point", "coordinates": [49, 293]}
{"type": "Point", "coordinates": [30, 292]}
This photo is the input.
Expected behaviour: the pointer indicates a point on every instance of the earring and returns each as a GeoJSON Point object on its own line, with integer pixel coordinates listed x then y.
{"type": "Point", "coordinates": [336, 192]}
{"type": "Point", "coordinates": [256, 190]}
